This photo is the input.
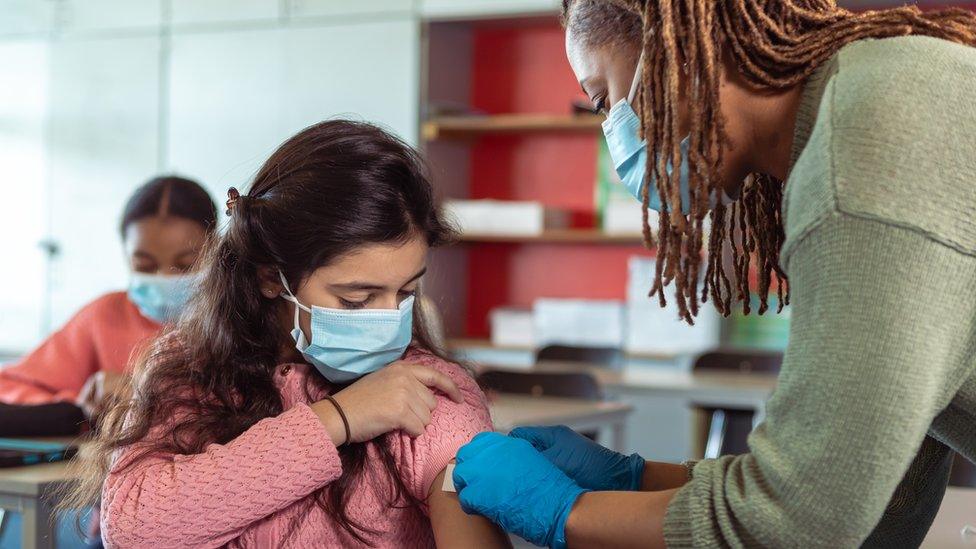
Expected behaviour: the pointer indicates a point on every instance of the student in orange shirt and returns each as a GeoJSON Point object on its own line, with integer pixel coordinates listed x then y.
{"type": "Point", "coordinates": [54, 389]}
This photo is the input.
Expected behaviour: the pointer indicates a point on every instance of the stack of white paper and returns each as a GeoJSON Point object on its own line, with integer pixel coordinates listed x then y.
{"type": "Point", "coordinates": [624, 217]}
{"type": "Point", "coordinates": [579, 322]}
{"type": "Point", "coordinates": [652, 329]}
{"type": "Point", "coordinates": [511, 327]}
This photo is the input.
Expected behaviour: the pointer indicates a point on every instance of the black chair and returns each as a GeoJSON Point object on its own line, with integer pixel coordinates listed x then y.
{"type": "Point", "coordinates": [767, 362]}
{"type": "Point", "coordinates": [729, 428]}
{"type": "Point", "coordinates": [555, 384]}
{"type": "Point", "coordinates": [57, 419]}
{"type": "Point", "coordinates": [611, 357]}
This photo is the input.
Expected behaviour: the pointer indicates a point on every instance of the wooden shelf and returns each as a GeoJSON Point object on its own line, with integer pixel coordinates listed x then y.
{"type": "Point", "coordinates": [558, 236]}
{"type": "Point", "coordinates": [446, 127]}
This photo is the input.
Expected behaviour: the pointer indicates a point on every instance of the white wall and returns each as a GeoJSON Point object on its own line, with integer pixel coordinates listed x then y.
{"type": "Point", "coordinates": [23, 99]}
{"type": "Point", "coordinates": [102, 141]}
{"type": "Point", "coordinates": [96, 96]}
{"type": "Point", "coordinates": [450, 9]}
{"type": "Point", "coordinates": [235, 96]}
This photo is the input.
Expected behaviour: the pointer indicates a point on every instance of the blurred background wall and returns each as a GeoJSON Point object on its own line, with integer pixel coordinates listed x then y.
{"type": "Point", "coordinates": [96, 96]}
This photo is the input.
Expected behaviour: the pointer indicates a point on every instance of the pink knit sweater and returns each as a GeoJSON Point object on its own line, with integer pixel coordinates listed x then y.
{"type": "Point", "coordinates": [257, 490]}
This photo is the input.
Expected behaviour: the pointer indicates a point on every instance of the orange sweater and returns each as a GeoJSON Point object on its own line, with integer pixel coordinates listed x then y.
{"type": "Point", "coordinates": [100, 337]}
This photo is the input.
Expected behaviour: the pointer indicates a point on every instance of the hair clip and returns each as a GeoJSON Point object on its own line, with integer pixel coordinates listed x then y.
{"type": "Point", "coordinates": [233, 195]}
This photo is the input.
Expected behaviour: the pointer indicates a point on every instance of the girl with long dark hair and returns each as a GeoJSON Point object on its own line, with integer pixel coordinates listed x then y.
{"type": "Point", "coordinates": [299, 402]}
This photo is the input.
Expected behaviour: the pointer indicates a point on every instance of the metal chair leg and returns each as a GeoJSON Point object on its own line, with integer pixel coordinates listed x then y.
{"type": "Point", "coordinates": [716, 435]}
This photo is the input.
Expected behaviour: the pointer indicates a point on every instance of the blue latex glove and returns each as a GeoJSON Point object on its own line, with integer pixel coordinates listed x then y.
{"type": "Point", "coordinates": [506, 480]}
{"type": "Point", "coordinates": [592, 466]}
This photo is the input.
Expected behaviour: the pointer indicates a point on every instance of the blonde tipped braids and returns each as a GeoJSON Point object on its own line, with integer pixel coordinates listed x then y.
{"type": "Point", "coordinates": [775, 44]}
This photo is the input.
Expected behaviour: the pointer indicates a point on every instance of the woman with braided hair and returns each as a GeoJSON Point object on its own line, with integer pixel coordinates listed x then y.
{"type": "Point", "coordinates": [832, 149]}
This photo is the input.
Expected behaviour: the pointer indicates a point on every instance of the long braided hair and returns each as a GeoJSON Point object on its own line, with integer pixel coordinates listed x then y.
{"type": "Point", "coordinates": [775, 44]}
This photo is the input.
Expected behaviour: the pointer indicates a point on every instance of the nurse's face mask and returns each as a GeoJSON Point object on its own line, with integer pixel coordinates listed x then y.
{"type": "Point", "coordinates": [348, 344]}
{"type": "Point", "coordinates": [629, 152]}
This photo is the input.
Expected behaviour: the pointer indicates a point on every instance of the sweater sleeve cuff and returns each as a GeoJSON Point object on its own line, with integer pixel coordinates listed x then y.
{"type": "Point", "coordinates": [682, 512]}
{"type": "Point", "coordinates": [678, 524]}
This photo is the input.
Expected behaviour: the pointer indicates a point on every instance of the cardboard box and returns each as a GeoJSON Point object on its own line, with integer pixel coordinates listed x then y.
{"type": "Point", "coordinates": [579, 322]}
{"type": "Point", "coordinates": [504, 217]}
{"type": "Point", "coordinates": [512, 327]}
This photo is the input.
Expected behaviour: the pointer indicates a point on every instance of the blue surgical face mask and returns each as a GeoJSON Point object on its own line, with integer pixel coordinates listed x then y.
{"type": "Point", "coordinates": [160, 298]}
{"type": "Point", "coordinates": [348, 344]}
{"type": "Point", "coordinates": [629, 152]}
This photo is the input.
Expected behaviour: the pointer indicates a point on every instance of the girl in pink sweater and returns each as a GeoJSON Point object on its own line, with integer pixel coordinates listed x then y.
{"type": "Point", "coordinates": [299, 401]}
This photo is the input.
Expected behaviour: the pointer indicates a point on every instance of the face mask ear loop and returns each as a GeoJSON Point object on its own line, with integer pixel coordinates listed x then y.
{"type": "Point", "coordinates": [288, 296]}
{"type": "Point", "coordinates": [637, 80]}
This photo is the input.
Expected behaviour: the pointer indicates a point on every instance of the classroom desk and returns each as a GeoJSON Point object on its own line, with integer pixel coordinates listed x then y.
{"type": "Point", "coordinates": [700, 389]}
{"type": "Point", "coordinates": [708, 389]}
{"type": "Point", "coordinates": [608, 418]}
{"type": "Point", "coordinates": [667, 392]}
{"type": "Point", "coordinates": [30, 491]}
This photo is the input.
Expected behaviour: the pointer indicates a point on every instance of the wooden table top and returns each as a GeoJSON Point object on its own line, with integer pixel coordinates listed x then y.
{"type": "Point", "coordinates": [708, 386]}
{"type": "Point", "coordinates": [34, 480]}
{"type": "Point", "coordinates": [509, 411]}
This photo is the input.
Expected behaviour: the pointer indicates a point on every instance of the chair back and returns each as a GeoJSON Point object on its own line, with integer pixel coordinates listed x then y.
{"type": "Point", "coordinates": [554, 384]}
{"type": "Point", "coordinates": [729, 428]}
{"type": "Point", "coordinates": [611, 357]}
{"type": "Point", "coordinates": [767, 362]}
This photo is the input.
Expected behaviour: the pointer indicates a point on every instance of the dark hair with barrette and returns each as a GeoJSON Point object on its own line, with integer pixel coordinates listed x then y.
{"type": "Point", "coordinates": [334, 187]}
{"type": "Point", "coordinates": [233, 195]}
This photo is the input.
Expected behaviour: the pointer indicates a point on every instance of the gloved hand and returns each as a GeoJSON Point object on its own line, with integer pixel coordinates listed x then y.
{"type": "Point", "coordinates": [592, 466]}
{"type": "Point", "coordinates": [506, 480]}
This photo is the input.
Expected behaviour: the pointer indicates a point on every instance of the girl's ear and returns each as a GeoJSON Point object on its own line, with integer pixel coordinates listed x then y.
{"type": "Point", "coordinates": [270, 283]}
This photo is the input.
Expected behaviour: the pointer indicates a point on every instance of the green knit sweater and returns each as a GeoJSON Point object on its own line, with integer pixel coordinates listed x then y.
{"type": "Point", "coordinates": [879, 379]}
